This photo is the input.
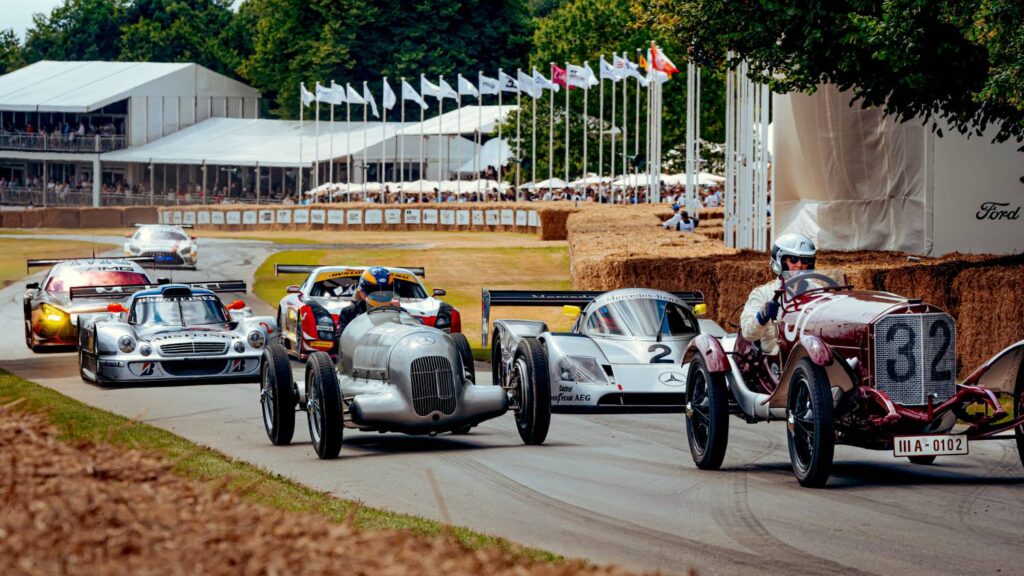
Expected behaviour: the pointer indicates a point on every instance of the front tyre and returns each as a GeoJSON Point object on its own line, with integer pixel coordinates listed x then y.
{"type": "Point", "coordinates": [1018, 410]}
{"type": "Point", "coordinates": [810, 428]}
{"type": "Point", "coordinates": [529, 384]}
{"type": "Point", "coordinates": [466, 353]}
{"type": "Point", "coordinates": [277, 395]}
{"type": "Point", "coordinates": [707, 415]}
{"type": "Point", "coordinates": [323, 406]}
{"type": "Point", "coordinates": [497, 367]}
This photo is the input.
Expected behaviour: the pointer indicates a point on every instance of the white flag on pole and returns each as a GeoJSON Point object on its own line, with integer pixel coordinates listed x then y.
{"type": "Point", "coordinates": [388, 98]}
{"type": "Point", "coordinates": [368, 98]}
{"type": "Point", "coordinates": [508, 83]}
{"type": "Point", "coordinates": [489, 85]}
{"type": "Point", "coordinates": [589, 75]}
{"type": "Point", "coordinates": [338, 93]}
{"type": "Point", "coordinates": [352, 96]}
{"type": "Point", "coordinates": [466, 88]}
{"type": "Point", "coordinates": [621, 69]}
{"type": "Point", "coordinates": [608, 71]}
{"type": "Point", "coordinates": [307, 96]}
{"type": "Point", "coordinates": [543, 83]}
{"type": "Point", "coordinates": [576, 76]}
{"type": "Point", "coordinates": [446, 90]}
{"type": "Point", "coordinates": [428, 88]}
{"type": "Point", "coordinates": [525, 84]}
{"type": "Point", "coordinates": [409, 93]}
{"type": "Point", "coordinates": [633, 69]}
{"type": "Point", "coordinates": [323, 93]}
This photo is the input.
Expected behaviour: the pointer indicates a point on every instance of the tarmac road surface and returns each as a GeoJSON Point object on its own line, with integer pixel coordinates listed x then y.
{"type": "Point", "coordinates": [611, 489]}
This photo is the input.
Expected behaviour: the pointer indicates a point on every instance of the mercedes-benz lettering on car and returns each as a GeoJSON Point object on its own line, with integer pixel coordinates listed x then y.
{"type": "Point", "coordinates": [169, 246]}
{"type": "Point", "coordinates": [395, 375]}
{"type": "Point", "coordinates": [308, 313]}
{"type": "Point", "coordinates": [173, 332]}
{"type": "Point", "coordinates": [50, 316]}
{"type": "Point", "coordinates": [622, 354]}
{"type": "Point", "coordinates": [868, 369]}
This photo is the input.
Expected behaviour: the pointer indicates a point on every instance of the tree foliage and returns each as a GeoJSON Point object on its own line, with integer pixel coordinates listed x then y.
{"type": "Point", "coordinates": [961, 61]}
{"type": "Point", "coordinates": [77, 30]}
{"type": "Point", "coordinates": [198, 31]}
{"type": "Point", "coordinates": [12, 56]}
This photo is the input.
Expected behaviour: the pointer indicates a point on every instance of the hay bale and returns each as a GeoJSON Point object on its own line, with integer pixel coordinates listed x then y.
{"type": "Point", "coordinates": [61, 217]}
{"type": "Point", "coordinates": [990, 312]}
{"type": "Point", "coordinates": [140, 215]}
{"type": "Point", "coordinates": [554, 221]}
{"type": "Point", "coordinates": [32, 218]}
{"type": "Point", "coordinates": [101, 218]}
{"type": "Point", "coordinates": [11, 218]}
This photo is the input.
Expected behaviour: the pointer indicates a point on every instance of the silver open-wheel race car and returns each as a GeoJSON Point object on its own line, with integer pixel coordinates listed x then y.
{"type": "Point", "coordinates": [171, 333]}
{"type": "Point", "coordinates": [622, 354]}
{"type": "Point", "coordinates": [394, 374]}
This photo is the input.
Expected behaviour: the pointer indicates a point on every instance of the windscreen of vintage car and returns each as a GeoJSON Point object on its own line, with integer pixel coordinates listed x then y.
{"type": "Point", "coordinates": [345, 287]}
{"type": "Point", "coordinates": [159, 235]}
{"type": "Point", "coordinates": [641, 318]}
{"type": "Point", "coordinates": [801, 281]}
{"type": "Point", "coordinates": [70, 278]}
{"type": "Point", "coordinates": [196, 310]}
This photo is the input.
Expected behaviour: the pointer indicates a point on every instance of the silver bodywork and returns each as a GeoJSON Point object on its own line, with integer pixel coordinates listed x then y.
{"type": "Point", "coordinates": [622, 373]}
{"type": "Point", "coordinates": [397, 375]}
{"type": "Point", "coordinates": [165, 252]}
{"type": "Point", "coordinates": [177, 353]}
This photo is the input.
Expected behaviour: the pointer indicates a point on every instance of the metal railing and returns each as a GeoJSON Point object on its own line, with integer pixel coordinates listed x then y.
{"type": "Point", "coordinates": [34, 197]}
{"type": "Point", "coordinates": [62, 143]}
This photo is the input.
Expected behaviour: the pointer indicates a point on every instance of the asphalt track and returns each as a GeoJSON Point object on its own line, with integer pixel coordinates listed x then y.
{"type": "Point", "coordinates": [611, 489]}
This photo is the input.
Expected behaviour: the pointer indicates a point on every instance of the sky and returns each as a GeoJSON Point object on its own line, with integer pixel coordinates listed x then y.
{"type": "Point", "coordinates": [17, 14]}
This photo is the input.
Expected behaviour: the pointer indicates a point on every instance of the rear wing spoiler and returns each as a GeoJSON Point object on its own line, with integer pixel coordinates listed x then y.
{"type": "Point", "coordinates": [30, 264]}
{"type": "Point", "coordinates": [307, 268]}
{"type": "Point", "coordinates": [119, 292]}
{"type": "Point", "coordinates": [581, 298]}
{"type": "Point", "coordinates": [183, 226]}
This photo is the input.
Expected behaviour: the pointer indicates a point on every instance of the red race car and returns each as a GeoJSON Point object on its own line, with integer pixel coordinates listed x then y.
{"type": "Point", "coordinates": [308, 314]}
{"type": "Point", "coordinates": [868, 369]}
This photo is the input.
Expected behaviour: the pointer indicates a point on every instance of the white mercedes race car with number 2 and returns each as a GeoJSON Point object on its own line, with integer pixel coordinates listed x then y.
{"type": "Point", "coordinates": [172, 333]}
{"type": "Point", "coordinates": [623, 353]}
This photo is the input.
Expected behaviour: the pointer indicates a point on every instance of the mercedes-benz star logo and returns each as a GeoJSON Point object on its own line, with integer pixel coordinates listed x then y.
{"type": "Point", "coordinates": [672, 378]}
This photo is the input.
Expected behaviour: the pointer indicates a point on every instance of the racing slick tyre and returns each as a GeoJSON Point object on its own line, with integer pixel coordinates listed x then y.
{"type": "Point", "coordinates": [529, 383]}
{"type": "Point", "coordinates": [922, 460]}
{"type": "Point", "coordinates": [28, 336]}
{"type": "Point", "coordinates": [277, 397]}
{"type": "Point", "coordinates": [323, 406]}
{"type": "Point", "coordinates": [707, 415]}
{"type": "Point", "coordinates": [496, 365]}
{"type": "Point", "coordinates": [810, 428]}
{"type": "Point", "coordinates": [1018, 410]}
{"type": "Point", "coordinates": [466, 352]}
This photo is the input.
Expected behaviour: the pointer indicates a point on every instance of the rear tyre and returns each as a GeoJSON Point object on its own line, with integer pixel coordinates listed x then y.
{"type": "Point", "coordinates": [28, 336]}
{"type": "Point", "coordinates": [923, 460]}
{"type": "Point", "coordinates": [810, 428]}
{"type": "Point", "coordinates": [1018, 410]}
{"type": "Point", "coordinates": [532, 390]}
{"type": "Point", "coordinates": [277, 395]}
{"type": "Point", "coordinates": [707, 415]}
{"type": "Point", "coordinates": [323, 406]}
{"type": "Point", "coordinates": [466, 353]}
{"type": "Point", "coordinates": [497, 368]}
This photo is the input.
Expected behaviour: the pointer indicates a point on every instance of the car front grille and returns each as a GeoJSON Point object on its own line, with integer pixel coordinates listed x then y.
{"type": "Point", "coordinates": [194, 367]}
{"type": "Point", "coordinates": [433, 385]}
{"type": "Point", "coordinates": [915, 357]}
{"type": "Point", "coordinates": [193, 348]}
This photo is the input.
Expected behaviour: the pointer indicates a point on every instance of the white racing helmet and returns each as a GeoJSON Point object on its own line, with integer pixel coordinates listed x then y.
{"type": "Point", "coordinates": [794, 245]}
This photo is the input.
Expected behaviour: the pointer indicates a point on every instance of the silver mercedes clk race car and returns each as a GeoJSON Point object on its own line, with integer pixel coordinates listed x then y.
{"type": "Point", "coordinates": [394, 375]}
{"type": "Point", "coordinates": [171, 333]}
{"type": "Point", "coordinates": [622, 354]}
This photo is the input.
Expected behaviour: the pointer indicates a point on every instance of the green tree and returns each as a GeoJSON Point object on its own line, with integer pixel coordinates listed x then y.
{"type": "Point", "coordinates": [961, 61]}
{"type": "Point", "coordinates": [198, 31]}
{"type": "Point", "coordinates": [355, 40]}
{"type": "Point", "coordinates": [77, 30]}
{"type": "Point", "coordinates": [11, 55]}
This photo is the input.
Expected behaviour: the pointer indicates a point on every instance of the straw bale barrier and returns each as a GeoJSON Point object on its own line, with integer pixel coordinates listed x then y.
{"type": "Point", "coordinates": [982, 292]}
{"type": "Point", "coordinates": [61, 218]}
{"type": "Point", "coordinates": [105, 217]}
{"type": "Point", "coordinates": [10, 218]}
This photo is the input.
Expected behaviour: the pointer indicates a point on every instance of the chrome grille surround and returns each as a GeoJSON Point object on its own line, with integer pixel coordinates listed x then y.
{"type": "Point", "coordinates": [915, 357]}
{"type": "Point", "coordinates": [433, 385]}
{"type": "Point", "coordinates": [191, 348]}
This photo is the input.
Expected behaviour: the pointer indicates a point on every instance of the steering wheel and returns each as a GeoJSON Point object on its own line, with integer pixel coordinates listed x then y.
{"type": "Point", "coordinates": [805, 276]}
{"type": "Point", "coordinates": [735, 314]}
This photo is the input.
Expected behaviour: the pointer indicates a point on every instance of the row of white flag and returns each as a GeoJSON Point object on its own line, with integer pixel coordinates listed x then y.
{"type": "Point", "coordinates": [532, 85]}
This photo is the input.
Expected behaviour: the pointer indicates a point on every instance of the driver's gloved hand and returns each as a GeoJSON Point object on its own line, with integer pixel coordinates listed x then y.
{"type": "Point", "coordinates": [769, 312]}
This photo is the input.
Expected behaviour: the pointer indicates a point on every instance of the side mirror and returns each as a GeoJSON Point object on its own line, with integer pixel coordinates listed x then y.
{"type": "Point", "coordinates": [236, 305]}
{"type": "Point", "coordinates": [700, 309]}
{"type": "Point", "coordinates": [32, 286]}
{"type": "Point", "coordinates": [439, 292]}
{"type": "Point", "coordinates": [116, 308]}
{"type": "Point", "coordinates": [162, 281]}
{"type": "Point", "coordinates": [293, 289]}
{"type": "Point", "coordinates": [571, 311]}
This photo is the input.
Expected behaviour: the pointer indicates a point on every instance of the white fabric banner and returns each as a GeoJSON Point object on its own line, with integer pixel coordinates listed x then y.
{"type": "Point", "coordinates": [301, 216]}
{"type": "Point", "coordinates": [354, 217]}
{"type": "Point", "coordinates": [412, 216]}
{"type": "Point", "coordinates": [462, 218]}
{"type": "Point", "coordinates": [176, 217]}
{"type": "Point", "coordinates": [266, 216]}
{"type": "Point", "coordinates": [493, 217]}
{"type": "Point", "coordinates": [317, 216]}
{"type": "Point", "coordinates": [284, 216]}
{"type": "Point", "coordinates": [478, 217]}
{"type": "Point", "coordinates": [249, 217]}
{"type": "Point", "coordinates": [203, 217]}
{"type": "Point", "coordinates": [521, 217]}
{"type": "Point", "coordinates": [373, 216]}
{"type": "Point", "coordinates": [507, 217]}
{"type": "Point", "coordinates": [393, 216]}
{"type": "Point", "coordinates": [234, 217]}
{"type": "Point", "coordinates": [448, 217]}
{"type": "Point", "coordinates": [188, 217]}
{"type": "Point", "coordinates": [335, 216]}
{"type": "Point", "coordinates": [430, 216]}
{"type": "Point", "coordinates": [216, 217]}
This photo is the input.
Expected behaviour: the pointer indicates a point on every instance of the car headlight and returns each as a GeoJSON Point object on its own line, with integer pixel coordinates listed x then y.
{"type": "Point", "coordinates": [145, 350]}
{"type": "Point", "coordinates": [581, 368]}
{"type": "Point", "coordinates": [185, 250]}
{"type": "Point", "coordinates": [126, 344]}
{"type": "Point", "coordinates": [256, 339]}
{"type": "Point", "coordinates": [239, 347]}
{"type": "Point", "coordinates": [53, 315]}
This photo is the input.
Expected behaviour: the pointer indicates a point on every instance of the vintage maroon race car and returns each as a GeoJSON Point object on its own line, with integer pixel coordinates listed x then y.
{"type": "Point", "coordinates": [868, 369]}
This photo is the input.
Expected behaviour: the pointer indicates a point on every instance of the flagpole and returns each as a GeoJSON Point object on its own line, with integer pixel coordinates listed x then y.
{"type": "Point", "coordinates": [316, 147]}
{"type": "Point", "coordinates": [611, 171]}
{"type": "Point", "coordinates": [566, 122]}
{"type": "Point", "coordinates": [551, 128]}
{"type": "Point", "coordinates": [479, 122]}
{"type": "Point", "coordinates": [500, 163]}
{"type": "Point", "coordinates": [400, 142]}
{"type": "Point", "coordinates": [636, 130]}
{"type": "Point", "coordinates": [330, 168]}
{"type": "Point", "coordinates": [600, 127]}
{"type": "Point", "coordinates": [625, 131]}
{"type": "Point", "coordinates": [458, 127]}
{"type": "Point", "coordinates": [519, 114]}
{"type": "Point", "coordinates": [348, 143]}
{"type": "Point", "coordinates": [302, 107]}
{"type": "Point", "coordinates": [586, 92]}
{"type": "Point", "coordinates": [366, 171]}
{"type": "Point", "coordinates": [383, 141]}
{"type": "Point", "coordinates": [533, 164]}
{"type": "Point", "coordinates": [423, 136]}
{"type": "Point", "coordinates": [440, 150]}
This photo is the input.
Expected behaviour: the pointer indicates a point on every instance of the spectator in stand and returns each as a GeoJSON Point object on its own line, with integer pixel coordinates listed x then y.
{"type": "Point", "coordinates": [714, 199]}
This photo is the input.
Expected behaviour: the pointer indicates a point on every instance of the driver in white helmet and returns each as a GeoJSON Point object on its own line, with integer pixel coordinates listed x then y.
{"type": "Point", "coordinates": [757, 322]}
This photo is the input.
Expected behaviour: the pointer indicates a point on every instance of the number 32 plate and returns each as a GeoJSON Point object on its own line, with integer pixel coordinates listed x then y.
{"type": "Point", "coordinates": [929, 445]}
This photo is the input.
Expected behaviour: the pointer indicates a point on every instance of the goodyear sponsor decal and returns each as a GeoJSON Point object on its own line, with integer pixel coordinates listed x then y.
{"type": "Point", "coordinates": [321, 344]}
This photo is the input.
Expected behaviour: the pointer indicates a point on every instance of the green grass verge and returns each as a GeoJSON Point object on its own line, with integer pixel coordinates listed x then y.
{"type": "Point", "coordinates": [81, 422]}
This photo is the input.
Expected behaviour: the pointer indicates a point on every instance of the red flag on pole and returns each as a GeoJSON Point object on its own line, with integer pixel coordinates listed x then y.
{"type": "Point", "coordinates": [661, 63]}
{"type": "Point", "coordinates": [558, 77]}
